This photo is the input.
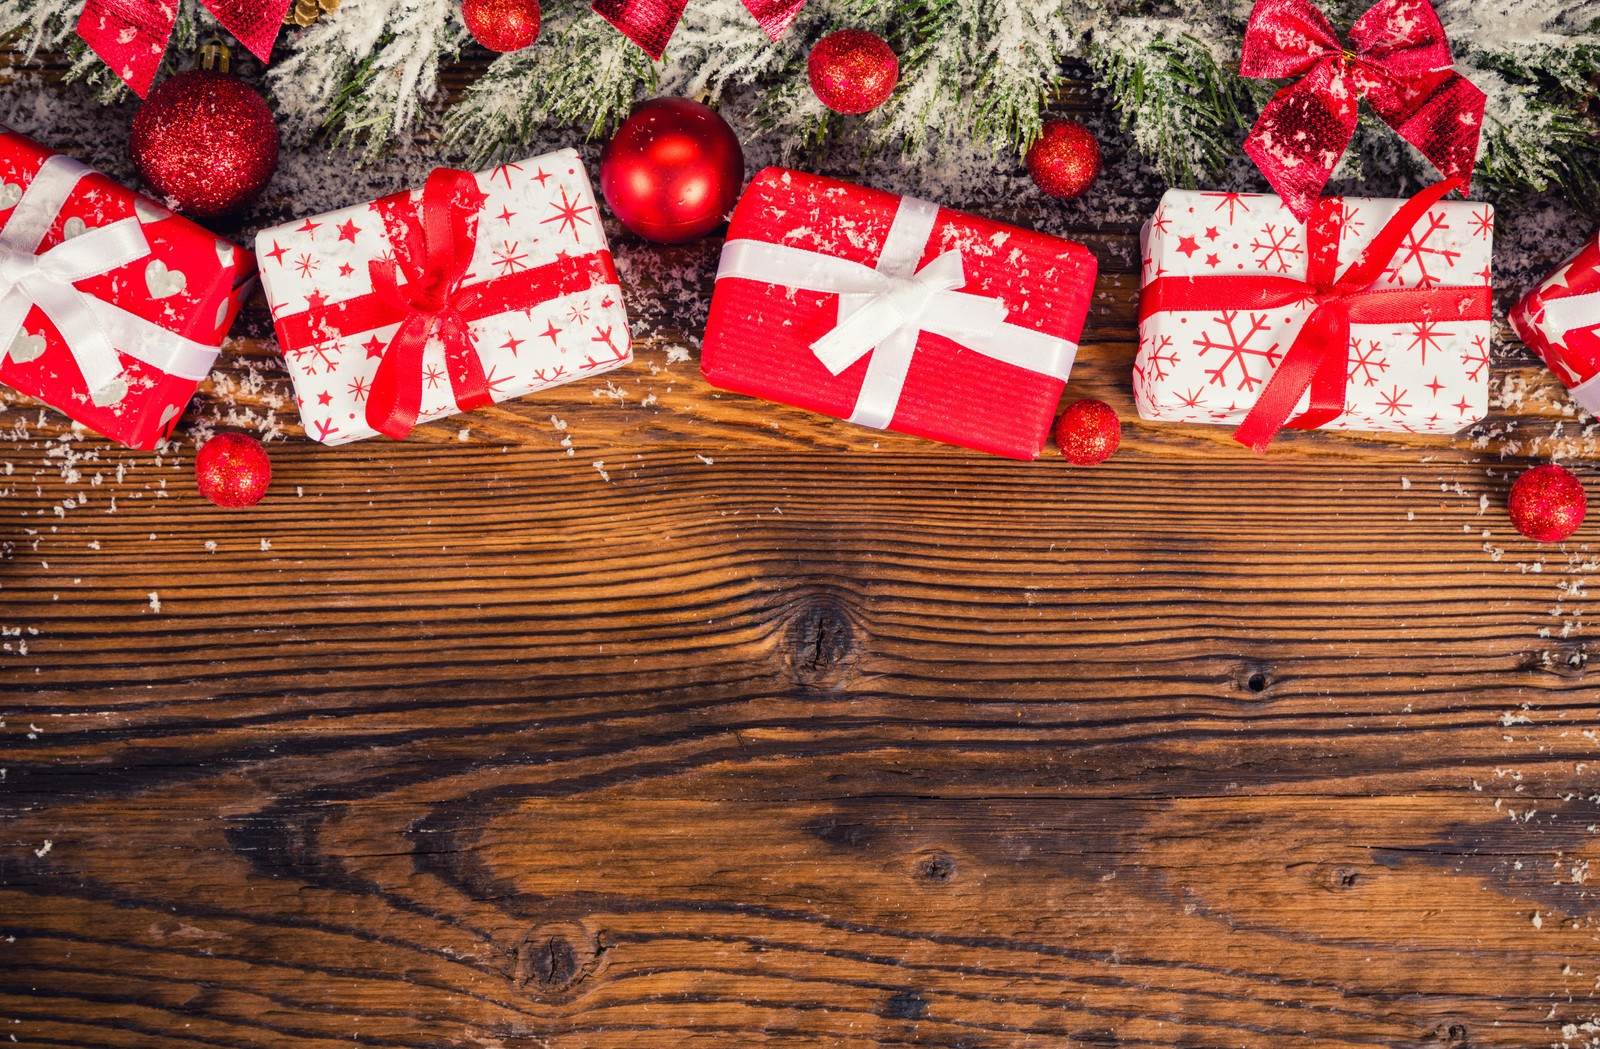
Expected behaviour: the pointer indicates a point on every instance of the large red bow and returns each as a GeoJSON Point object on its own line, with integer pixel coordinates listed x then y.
{"type": "Point", "coordinates": [132, 35]}
{"type": "Point", "coordinates": [1400, 64]}
{"type": "Point", "coordinates": [1319, 358]}
{"type": "Point", "coordinates": [649, 23]}
{"type": "Point", "coordinates": [430, 301]}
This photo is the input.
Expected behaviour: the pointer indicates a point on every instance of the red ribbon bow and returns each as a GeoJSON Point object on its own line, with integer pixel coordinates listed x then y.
{"type": "Point", "coordinates": [1319, 358]}
{"type": "Point", "coordinates": [431, 300]}
{"type": "Point", "coordinates": [1400, 64]}
{"type": "Point", "coordinates": [649, 23]}
{"type": "Point", "coordinates": [132, 35]}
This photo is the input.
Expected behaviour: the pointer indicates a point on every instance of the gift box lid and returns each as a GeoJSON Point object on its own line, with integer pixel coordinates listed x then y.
{"type": "Point", "coordinates": [1036, 287]}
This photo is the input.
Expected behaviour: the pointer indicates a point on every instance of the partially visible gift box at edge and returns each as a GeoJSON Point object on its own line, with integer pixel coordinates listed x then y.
{"type": "Point", "coordinates": [896, 313]}
{"type": "Point", "coordinates": [1560, 321]}
{"type": "Point", "coordinates": [476, 289]}
{"type": "Point", "coordinates": [1372, 315]}
{"type": "Point", "coordinates": [112, 308]}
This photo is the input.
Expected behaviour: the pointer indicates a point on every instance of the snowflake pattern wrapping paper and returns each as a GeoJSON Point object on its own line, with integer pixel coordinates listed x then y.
{"type": "Point", "coordinates": [895, 313]}
{"type": "Point", "coordinates": [112, 308]}
{"type": "Point", "coordinates": [1414, 363]}
{"type": "Point", "coordinates": [545, 304]}
{"type": "Point", "coordinates": [1560, 321]}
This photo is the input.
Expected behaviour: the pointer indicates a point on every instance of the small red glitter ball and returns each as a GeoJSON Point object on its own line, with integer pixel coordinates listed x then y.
{"type": "Point", "coordinates": [1064, 160]}
{"type": "Point", "coordinates": [1547, 503]}
{"type": "Point", "coordinates": [502, 25]}
{"type": "Point", "coordinates": [1088, 432]}
{"type": "Point", "coordinates": [206, 142]}
{"type": "Point", "coordinates": [853, 70]}
{"type": "Point", "coordinates": [233, 470]}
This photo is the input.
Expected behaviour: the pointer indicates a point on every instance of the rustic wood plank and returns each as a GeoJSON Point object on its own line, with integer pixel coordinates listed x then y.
{"type": "Point", "coordinates": [781, 732]}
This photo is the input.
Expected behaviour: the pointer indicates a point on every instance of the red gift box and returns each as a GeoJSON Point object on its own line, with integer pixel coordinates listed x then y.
{"type": "Point", "coordinates": [1560, 321]}
{"type": "Point", "coordinates": [896, 313]}
{"type": "Point", "coordinates": [112, 308]}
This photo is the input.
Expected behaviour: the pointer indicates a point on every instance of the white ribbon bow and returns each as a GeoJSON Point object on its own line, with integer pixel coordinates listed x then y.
{"type": "Point", "coordinates": [883, 310]}
{"type": "Point", "coordinates": [46, 281]}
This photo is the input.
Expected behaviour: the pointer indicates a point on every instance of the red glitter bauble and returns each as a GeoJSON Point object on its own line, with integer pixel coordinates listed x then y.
{"type": "Point", "coordinates": [502, 25]}
{"type": "Point", "coordinates": [1088, 432]}
{"type": "Point", "coordinates": [672, 171]}
{"type": "Point", "coordinates": [1064, 160]}
{"type": "Point", "coordinates": [233, 470]}
{"type": "Point", "coordinates": [206, 142]}
{"type": "Point", "coordinates": [1547, 503]}
{"type": "Point", "coordinates": [853, 70]}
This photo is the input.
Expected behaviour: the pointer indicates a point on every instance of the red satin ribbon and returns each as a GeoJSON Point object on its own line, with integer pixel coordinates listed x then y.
{"type": "Point", "coordinates": [1400, 63]}
{"type": "Point", "coordinates": [649, 23]}
{"type": "Point", "coordinates": [132, 35]}
{"type": "Point", "coordinates": [1319, 358]}
{"type": "Point", "coordinates": [433, 250]}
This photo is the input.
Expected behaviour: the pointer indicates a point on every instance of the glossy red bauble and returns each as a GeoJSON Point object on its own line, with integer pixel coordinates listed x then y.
{"type": "Point", "coordinates": [502, 25]}
{"type": "Point", "coordinates": [852, 70]}
{"type": "Point", "coordinates": [1088, 432]}
{"type": "Point", "coordinates": [1547, 503]}
{"type": "Point", "coordinates": [673, 170]}
{"type": "Point", "coordinates": [205, 142]}
{"type": "Point", "coordinates": [1064, 160]}
{"type": "Point", "coordinates": [232, 470]}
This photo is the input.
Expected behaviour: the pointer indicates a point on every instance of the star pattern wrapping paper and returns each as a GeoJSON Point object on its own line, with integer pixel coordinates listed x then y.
{"type": "Point", "coordinates": [191, 285]}
{"type": "Point", "coordinates": [1560, 321]}
{"type": "Point", "coordinates": [1209, 366]}
{"type": "Point", "coordinates": [535, 212]}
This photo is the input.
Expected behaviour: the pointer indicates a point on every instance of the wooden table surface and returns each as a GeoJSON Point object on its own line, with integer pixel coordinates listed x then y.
{"type": "Point", "coordinates": [635, 714]}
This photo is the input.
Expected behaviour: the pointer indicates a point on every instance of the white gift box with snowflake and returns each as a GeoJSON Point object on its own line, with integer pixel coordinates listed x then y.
{"type": "Point", "coordinates": [1211, 340]}
{"type": "Point", "coordinates": [538, 298]}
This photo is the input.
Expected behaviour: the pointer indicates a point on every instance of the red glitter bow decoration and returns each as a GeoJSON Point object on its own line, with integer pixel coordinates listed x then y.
{"type": "Point", "coordinates": [1318, 360]}
{"type": "Point", "coordinates": [132, 35]}
{"type": "Point", "coordinates": [1400, 63]}
{"type": "Point", "coordinates": [649, 23]}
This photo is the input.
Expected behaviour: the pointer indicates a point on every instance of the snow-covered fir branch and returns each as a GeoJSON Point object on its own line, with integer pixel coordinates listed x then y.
{"type": "Point", "coordinates": [975, 75]}
{"type": "Point", "coordinates": [365, 72]}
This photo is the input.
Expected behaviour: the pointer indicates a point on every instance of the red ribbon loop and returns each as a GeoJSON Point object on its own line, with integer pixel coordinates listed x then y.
{"type": "Point", "coordinates": [132, 35]}
{"type": "Point", "coordinates": [649, 23]}
{"type": "Point", "coordinates": [1400, 63]}
{"type": "Point", "coordinates": [431, 301]}
{"type": "Point", "coordinates": [1319, 357]}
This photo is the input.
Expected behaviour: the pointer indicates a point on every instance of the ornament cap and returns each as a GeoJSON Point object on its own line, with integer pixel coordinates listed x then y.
{"type": "Point", "coordinates": [215, 56]}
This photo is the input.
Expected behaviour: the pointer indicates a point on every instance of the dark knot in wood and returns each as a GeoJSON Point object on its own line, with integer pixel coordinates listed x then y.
{"type": "Point", "coordinates": [1252, 678]}
{"type": "Point", "coordinates": [555, 957]}
{"type": "Point", "coordinates": [1339, 877]}
{"type": "Point", "coordinates": [904, 1005]}
{"type": "Point", "coordinates": [936, 868]}
{"type": "Point", "coordinates": [1453, 1035]}
{"type": "Point", "coordinates": [821, 642]}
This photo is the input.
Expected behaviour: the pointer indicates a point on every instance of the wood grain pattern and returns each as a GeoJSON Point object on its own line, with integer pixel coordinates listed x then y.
{"type": "Point", "coordinates": [786, 733]}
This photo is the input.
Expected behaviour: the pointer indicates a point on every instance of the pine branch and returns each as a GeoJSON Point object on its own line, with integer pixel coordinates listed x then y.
{"type": "Point", "coordinates": [363, 73]}
{"type": "Point", "coordinates": [582, 73]}
{"type": "Point", "coordinates": [1184, 106]}
{"type": "Point", "coordinates": [36, 24]}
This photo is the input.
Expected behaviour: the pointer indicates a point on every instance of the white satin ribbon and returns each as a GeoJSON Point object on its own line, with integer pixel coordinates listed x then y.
{"type": "Point", "coordinates": [883, 310]}
{"type": "Point", "coordinates": [93, 330]}
{"type": "Point", "coordinates": [1562, 317]}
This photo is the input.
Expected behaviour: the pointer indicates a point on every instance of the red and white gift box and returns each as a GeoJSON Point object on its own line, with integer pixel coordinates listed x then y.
{"type": "Point", "coordinates": [896, 313]}
{"type": "Point", "coordinates": [1373, 315]}
{"type": "Point", "coordinates": [112, 308]}
{"type": "Point", "coordinates": [1560, 321]}
{"type": "Point", "coordinates": [477, 289]}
